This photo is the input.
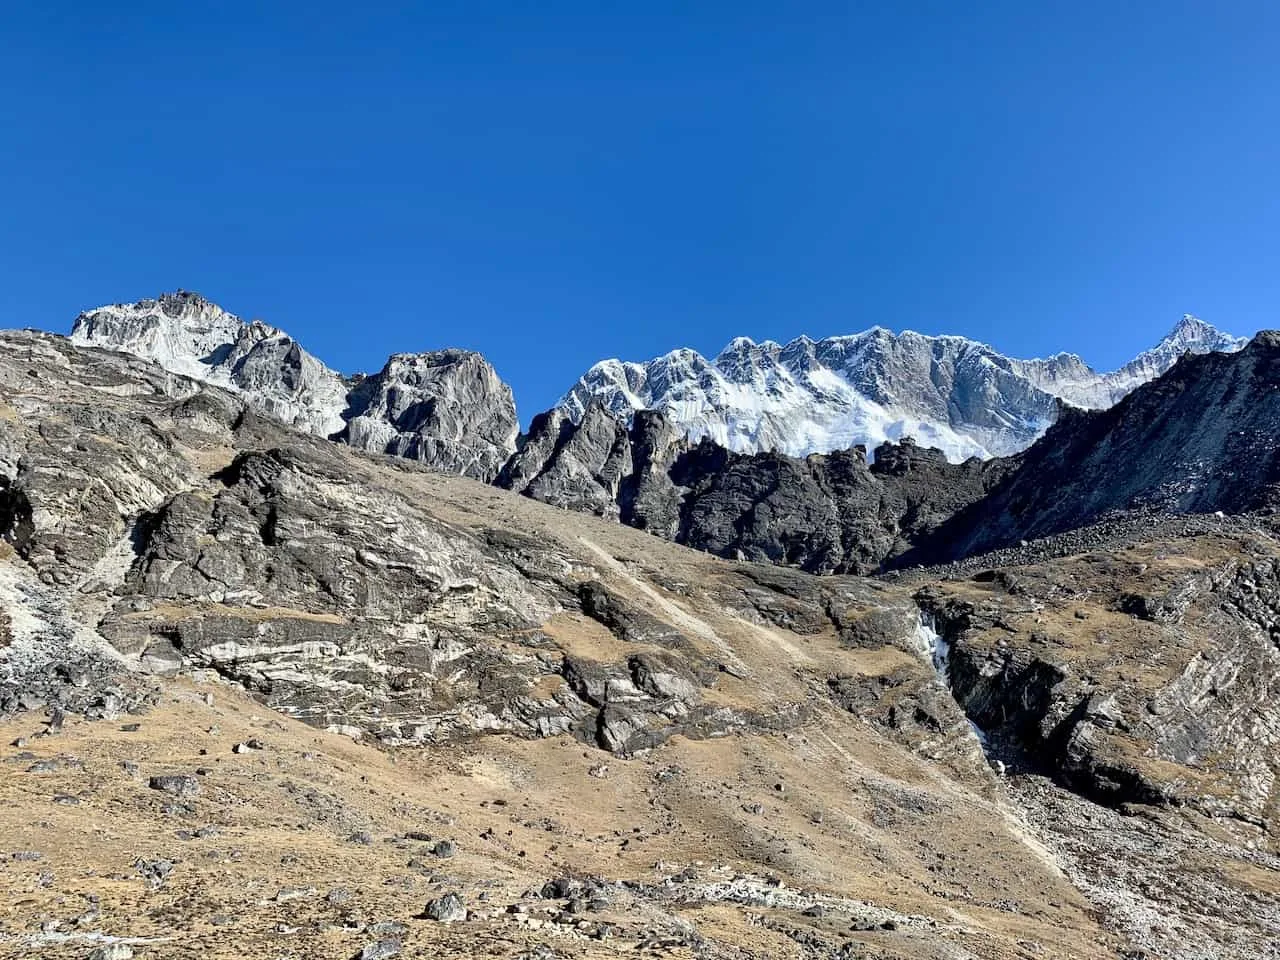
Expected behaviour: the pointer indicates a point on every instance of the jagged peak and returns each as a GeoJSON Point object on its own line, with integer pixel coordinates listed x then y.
{"type": "Point", "coordinates": [1190, 327]}
{"type": "Point", "coordinates": [1192, 331]}
{"type": "Point", "coordinates": [434, 358]}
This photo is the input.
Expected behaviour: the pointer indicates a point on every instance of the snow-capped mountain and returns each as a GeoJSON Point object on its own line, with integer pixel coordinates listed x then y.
{"type": "Point", "coordinates": [186, 334]}
{"type": "Point", "coordinates": [815, 396]}
{"type": "Point", "coordinates": [447, 407]}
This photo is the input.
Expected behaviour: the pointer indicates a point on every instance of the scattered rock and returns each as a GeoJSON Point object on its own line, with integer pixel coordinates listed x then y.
{"type": "Point", "coordinates": [286, 894]}
{"type": "Point", "coordinates": [178, 785]}
{"type": "Point", "coordinates": [449, 908]}
{"type": "Point", "coordinates": [155, 872]}
{"type": "Point", "coordinates": [382, 949]}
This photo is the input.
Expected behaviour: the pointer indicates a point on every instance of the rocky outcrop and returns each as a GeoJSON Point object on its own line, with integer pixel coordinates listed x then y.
{"type": "Point", "coordinates": [833, 513]}
{"type": "Point", "coordinates": [579, 466]}
{"type": "Point", "coordinates": [446, 408]}
{"type": "Point", "coordinates": [1152, 700]}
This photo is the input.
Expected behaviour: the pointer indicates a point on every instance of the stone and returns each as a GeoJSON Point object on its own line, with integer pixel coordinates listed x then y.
{"type": "Point", "coordinates": [178, 785]}
{"type": "Point", "coordinates": [381, 949]}
{"type": "Point", "coordinates": [154, 872]}
{"type": "Point", "coordinates": [448, 908]}
{"type": "Point", "coordinates": [287, 894]}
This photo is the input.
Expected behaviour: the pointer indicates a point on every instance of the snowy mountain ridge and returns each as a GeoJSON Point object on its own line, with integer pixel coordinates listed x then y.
{"type": "Point", "coordinates": [447, 408]}
{"type": "Point", "coordinates": [814, 396]}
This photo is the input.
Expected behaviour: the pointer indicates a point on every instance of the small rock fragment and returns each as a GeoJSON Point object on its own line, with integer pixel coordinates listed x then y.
{"type": "Point", "coordinates": [155, 872]}
{"type": "Point", "coordinates": [380, 950]}
{"type": "Point", "coordinates": [285, 894]}
{"type": "Point", "coordinates": [178, 784]}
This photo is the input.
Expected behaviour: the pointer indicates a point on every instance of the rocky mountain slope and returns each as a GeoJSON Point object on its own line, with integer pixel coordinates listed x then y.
{"type": "Point", "coordinates": [1200, 439]}
{"type": "Point", "coordinates": [267, 695]}
{"type": "Point", "coordinates": [833, 513]}
{"type": "Point", "coordinates": [807, 396]}
{"type": "Point", "coordinates": [446, 408]}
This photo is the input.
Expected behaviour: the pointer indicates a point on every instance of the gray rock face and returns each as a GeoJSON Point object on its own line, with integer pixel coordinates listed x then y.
{"type": "Point", "coordinates": [576, 466]}
{"type": "Point", "coordinates": [447, 408]}
{"type": "Point", "coordinates": [808, 396]}
{"type": "Point", "coordinates": [1129, 713]}
{"type": "Point", "coordinates": [830, 513]}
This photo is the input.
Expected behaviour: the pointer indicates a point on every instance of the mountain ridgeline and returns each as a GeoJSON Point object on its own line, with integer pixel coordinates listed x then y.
{"type": "Point", "coordinates": [816, 396]}
{"type": "Point", "coordinates": [447, 408]}
{"type": "Point", "coordinates": [786, 454]}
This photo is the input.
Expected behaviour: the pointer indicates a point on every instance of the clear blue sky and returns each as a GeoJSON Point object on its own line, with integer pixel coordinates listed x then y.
{"type": "Point", "coordinates": [552, 183]}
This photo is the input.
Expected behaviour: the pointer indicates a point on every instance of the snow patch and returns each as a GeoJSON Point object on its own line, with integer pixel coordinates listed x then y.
{"type": "Point", "coordinates": [937, 649]}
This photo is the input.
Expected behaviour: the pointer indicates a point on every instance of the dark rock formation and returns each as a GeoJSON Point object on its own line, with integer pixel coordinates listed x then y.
{"type": "Point", "coordinates": [1127, 709]}
{"type": "Point", "coordinates": [832, 513]}
{"type": "Point", "coordinates": [579, 467]}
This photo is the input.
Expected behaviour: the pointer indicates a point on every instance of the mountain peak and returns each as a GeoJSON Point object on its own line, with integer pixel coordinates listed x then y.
{"type": "Point", "coordinates": [1192, 333]}
{"type": "Point", "coordinates": [445, 407]}
{"type": "Point", "coordinates": [1190, 327]}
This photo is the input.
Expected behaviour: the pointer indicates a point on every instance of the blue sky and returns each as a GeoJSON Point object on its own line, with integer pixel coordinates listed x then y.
{"type": "Point", "coordinates": [552, 183]}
